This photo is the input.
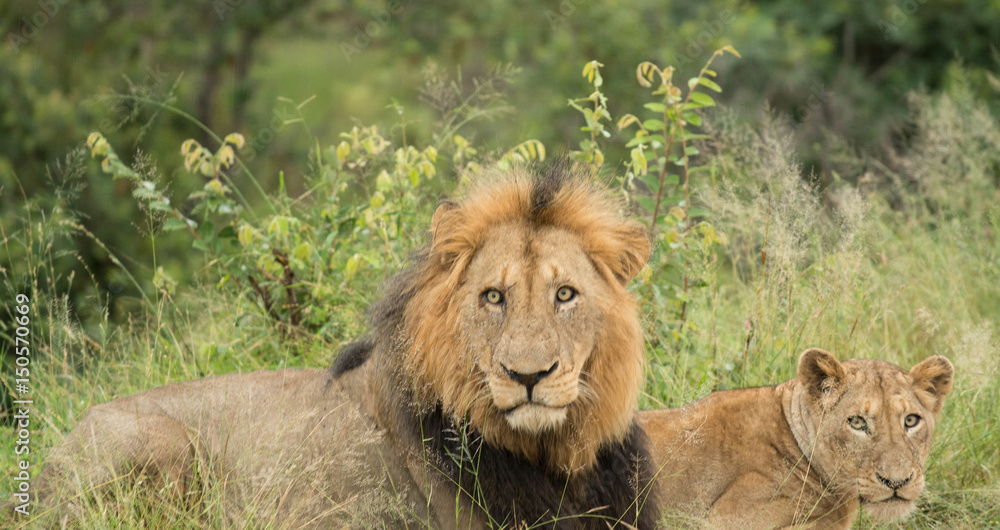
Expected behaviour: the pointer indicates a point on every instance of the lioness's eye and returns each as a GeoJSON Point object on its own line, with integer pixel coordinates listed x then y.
{"type": "Point", "coordinates": [493, 296]}
{"type": "Point", "coordinates": [858, 423]}
{"type": "Point", "coordinates": [911, 421]}
{"type": "Point", "coordinates": [565, 294]}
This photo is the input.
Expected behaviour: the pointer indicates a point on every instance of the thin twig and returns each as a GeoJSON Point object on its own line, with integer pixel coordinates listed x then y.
{"type": "Point", "coordinates": [294, 311]}
{"type": "Point", "coordinates": [265, 297]}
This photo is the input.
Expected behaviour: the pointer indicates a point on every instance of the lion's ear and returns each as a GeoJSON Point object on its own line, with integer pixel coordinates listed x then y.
{"type": "Point", "coordinates": [820, 371]}
{"type": "Point", "coordinates": [444, 225]}
{"type": "Point", "coordinates": [439, 221]}
{"type": "Point", "coordinates": [633, 253]}
{"type": "Point", "coordinates": [933, 378]}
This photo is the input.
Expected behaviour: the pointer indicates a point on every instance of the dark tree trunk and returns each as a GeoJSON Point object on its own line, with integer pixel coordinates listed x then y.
{"type": "Point", "coordinates": [243, 91]}
{"type": "Point", "coordinates": [210, 83]}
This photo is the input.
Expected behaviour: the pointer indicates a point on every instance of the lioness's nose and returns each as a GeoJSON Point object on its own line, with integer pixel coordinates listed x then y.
{"type": "Point", "coordinates": [530, 380]}
{"type": "Point", "coordinates": [893, 484]}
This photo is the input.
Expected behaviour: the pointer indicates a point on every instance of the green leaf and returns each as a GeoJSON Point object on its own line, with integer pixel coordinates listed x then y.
{"type": "Point", "coordinates": [692, 118]}
{"type": "Point", "coordinates": [699, 212]}
{"type": "Point", "coordinates": [704, 81]}
{"type": "Point", "coordinates": [591, 72]}
{"type": "Point", "coordinates": [639, 162]}
{"type": "Point", "coordinates": [643, 139]}
{"type": "Point", "coordinates": [703, 100]}
{"type": "Point", "coordinates": [216, 245]}
{"type": "Point", "coordinates": [278, 224]}
{"type": "Point", "coordinates": [343, 151]}
{"type": "Point", "coordinates": [645, 202]}
{"type": "Point", "coordinates": [302, 251]}
{"type": "Point", "coordinates": [352, 265]}
{"type": "Point", "coordinates": [651, 181]}
{"type": "Point", "coordinates": [173, 224]}
{"type": "Point", "coordinates": [653, 125]}
{"type": "Point", "coordinates": [656, 107]}
{"type": "Point", "coordinates": [228, 232]}
{"type": "Point", "coordinates": [207, 230]}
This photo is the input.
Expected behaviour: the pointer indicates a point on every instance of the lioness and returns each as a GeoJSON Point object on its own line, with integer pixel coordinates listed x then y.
{"type": "Point", "coordinates": [807, 452]}
{"type": "Point", "coordinates": [497, 387]}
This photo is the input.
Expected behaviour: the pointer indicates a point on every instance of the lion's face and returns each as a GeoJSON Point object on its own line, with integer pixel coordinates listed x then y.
{"type": "Point", "coordinates": [875, 424]}
{"type": "Point", "coordinates": [521, 325]}
{"type": "Point", "coordinates": [531, 311]}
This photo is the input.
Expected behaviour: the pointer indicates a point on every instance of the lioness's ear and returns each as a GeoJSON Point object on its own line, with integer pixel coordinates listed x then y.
{"type": "Point", "coordinates": [633, 253]}
{"type": "Point", "coordinates": [819, 370]}
{"type": "Point", "coordinates": [933, 378]}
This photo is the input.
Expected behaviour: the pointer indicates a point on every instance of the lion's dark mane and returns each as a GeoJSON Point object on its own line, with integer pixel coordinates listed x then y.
{"type": "Point", "coordinates": [514, 491]}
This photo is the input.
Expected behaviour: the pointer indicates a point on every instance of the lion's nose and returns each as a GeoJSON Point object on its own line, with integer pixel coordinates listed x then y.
{"type": "Point", "coordinates": [893, 484]}
{"type": "Point", "coordinates": [530, 380]}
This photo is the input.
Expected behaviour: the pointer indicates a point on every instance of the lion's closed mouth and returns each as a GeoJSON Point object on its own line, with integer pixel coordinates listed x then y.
{"type": "Point", "coordinates": [536, 404]}
{"type": "Point", "coordinates": [895, 498]}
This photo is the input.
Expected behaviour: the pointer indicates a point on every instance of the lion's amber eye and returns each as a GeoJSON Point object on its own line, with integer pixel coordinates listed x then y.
{"type": "Point", "coordinates": [565, 294]}
{"type": "Point", "coordinates": [493, 296]}
{"type": "Point", "coordinates": [858, 423]}
{"type": "Point", "coordinates": [911, 421]}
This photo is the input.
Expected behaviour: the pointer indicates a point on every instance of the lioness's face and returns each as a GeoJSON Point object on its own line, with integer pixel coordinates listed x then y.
{"type": "Point", "coordinates": [875, 437]}
{"type": "Point", "coordinates": [531, 315]}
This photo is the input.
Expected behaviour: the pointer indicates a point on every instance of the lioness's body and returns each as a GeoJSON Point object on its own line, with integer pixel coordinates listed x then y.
{"type": "Point", "coordinates": [780, 456]}
{"type": "Point", "coordinates": [716, 463]}
{"type": "Point", "coordinates": [498, 381]}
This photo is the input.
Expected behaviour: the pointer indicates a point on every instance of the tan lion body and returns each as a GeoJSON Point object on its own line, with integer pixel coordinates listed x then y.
{"type": "Point", "coordinates": [499, 379]}
{"type": "Point", "coordinates": [782, 456]}
{"type": "Point", "coordinates": [288, 447]}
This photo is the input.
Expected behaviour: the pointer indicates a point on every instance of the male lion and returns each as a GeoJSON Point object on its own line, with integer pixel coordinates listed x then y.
{"type": "Point", "coordinates": [807, 452]}
{"type": "Point", "coordinates": [497, 387]}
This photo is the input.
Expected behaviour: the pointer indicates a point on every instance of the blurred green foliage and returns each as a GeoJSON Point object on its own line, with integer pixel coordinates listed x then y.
{"type": "Point", "coordinates": [67, 68]}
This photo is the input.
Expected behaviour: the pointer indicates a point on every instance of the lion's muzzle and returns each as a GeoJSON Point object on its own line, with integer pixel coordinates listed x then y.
{"type": "Point", "coordinates": [891, 497]}
{"type": "Point", "coordinates": [530, 399]}
{"type": "Point", "coordinates": [529, 380]}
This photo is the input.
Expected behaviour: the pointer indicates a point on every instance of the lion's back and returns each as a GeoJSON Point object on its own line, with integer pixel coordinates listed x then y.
{"type": "Point", "coordinates": [286, 445]}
